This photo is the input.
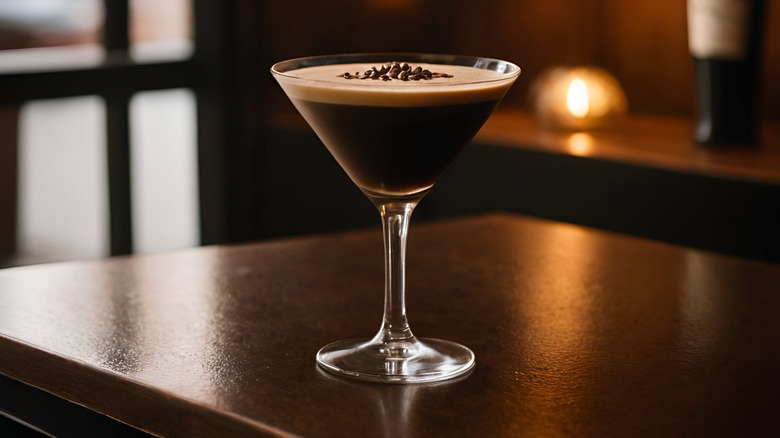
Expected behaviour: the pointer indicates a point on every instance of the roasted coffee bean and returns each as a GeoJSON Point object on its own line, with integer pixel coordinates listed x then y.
{"type": "Point", "coordinates": [396, 70]}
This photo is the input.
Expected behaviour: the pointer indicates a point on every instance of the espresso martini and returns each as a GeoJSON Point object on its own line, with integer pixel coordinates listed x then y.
{"type": "Point", "coordinates": [395, 127]}
{"type": "Point", "coordinates": [395, 123]}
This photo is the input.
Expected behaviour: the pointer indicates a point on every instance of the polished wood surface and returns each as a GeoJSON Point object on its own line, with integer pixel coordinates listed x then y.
{"type": "Point", "coordinates": [577, 332]}
{"type": "Point", "coordinates": [648, 141]}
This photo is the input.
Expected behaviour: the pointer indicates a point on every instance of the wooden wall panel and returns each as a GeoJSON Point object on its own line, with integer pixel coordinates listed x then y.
{"type": "Point", "coordinates": [646, 48]}
{"type": "Point", "coordinates": [642, 42]}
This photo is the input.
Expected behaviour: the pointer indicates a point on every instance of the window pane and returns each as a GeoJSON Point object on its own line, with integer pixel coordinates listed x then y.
{"type": "Point", "coordinates": [164, 170]}
{"type": "Point", "coordinates": [47, 34]}
{"type": "Point", "coordinates": [63, 213]}
{"type": "Point", "coordinates": [46, 23]}
{"type": "Point", "coordinates": [160, 29]}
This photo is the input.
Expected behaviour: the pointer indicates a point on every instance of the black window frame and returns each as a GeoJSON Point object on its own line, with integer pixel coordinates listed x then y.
{"type": "Point", "coordinates": [207, 73]}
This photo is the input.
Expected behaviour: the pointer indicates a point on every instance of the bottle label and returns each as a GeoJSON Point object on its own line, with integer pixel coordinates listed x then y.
{"type": "Point", "coordinates": [718, 28]}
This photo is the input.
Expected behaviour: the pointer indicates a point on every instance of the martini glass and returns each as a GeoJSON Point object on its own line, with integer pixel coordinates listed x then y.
{"type": "Point", "coordinates": [395, 122]}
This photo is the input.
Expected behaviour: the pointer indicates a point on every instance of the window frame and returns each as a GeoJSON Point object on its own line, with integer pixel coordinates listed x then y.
{"type": "Point", "coordinates": [206, 72]}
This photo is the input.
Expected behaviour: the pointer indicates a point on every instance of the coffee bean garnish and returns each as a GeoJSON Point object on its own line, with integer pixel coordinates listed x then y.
{"type": "Point", "coordinates": [395, 70]}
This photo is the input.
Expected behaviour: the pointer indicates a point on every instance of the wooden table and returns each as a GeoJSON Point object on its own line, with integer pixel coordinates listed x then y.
{"type": "Point", "coordinates": [577, 332]}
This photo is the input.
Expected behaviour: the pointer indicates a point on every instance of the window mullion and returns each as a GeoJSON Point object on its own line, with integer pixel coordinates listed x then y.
{"type": "Point", "coordinates": [116, 40]}
{"type": "Point", "coordinates": [116, 35]}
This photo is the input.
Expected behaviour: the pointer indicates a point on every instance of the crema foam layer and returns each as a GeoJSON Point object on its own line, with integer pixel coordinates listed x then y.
{"type": "Point", "coordinates": [326, 84]}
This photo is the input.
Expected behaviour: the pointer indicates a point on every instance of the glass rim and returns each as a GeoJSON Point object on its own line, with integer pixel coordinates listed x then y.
{"type": "Point", "coordinates": [509, 70]}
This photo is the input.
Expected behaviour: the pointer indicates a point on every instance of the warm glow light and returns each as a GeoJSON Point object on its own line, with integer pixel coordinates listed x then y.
{"type": "Point", "coordinates": [580, 144]}
{"type": "Point", "coordinates": [577, 98]}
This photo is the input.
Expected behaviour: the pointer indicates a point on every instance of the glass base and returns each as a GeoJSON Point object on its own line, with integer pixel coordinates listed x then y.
{"type": "Point", "coordinates": [418, 361]}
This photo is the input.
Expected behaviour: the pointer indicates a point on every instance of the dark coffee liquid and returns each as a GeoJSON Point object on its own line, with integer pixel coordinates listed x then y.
{"type": "Point", "coordinates": [395, 150]}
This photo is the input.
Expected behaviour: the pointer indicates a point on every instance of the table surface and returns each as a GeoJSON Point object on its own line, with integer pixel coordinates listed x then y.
{"type": "Point", "coordinates": [577, 332]}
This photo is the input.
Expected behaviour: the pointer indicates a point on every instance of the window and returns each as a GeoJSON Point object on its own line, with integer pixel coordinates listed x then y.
{"type": "Point", "coordinates": [110, 69]}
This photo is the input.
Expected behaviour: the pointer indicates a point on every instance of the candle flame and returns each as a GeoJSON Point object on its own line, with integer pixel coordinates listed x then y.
{"type": "Point", "coordinates": [577, 98]}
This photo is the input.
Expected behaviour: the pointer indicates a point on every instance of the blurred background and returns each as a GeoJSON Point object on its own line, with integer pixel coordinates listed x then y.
{"type": "Point", "coordinates": [214, 152]}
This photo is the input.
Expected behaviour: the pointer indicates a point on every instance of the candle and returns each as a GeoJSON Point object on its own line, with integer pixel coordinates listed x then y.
{"type": "Point", "coordinates": [578, 99]}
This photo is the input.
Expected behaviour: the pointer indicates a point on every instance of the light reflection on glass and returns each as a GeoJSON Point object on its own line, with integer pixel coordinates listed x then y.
{"type": "Point", "coordinates": [396, 403]}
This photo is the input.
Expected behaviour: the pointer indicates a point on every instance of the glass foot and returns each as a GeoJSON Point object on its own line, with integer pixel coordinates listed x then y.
{"type": "Point", "coordinates": [418, 361]}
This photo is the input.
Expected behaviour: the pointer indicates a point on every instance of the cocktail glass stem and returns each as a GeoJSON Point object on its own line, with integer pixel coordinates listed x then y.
{"type": "Point", "coordinates": [395, 334]}
{"type": "Point", "coordinates": [394, 354]}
